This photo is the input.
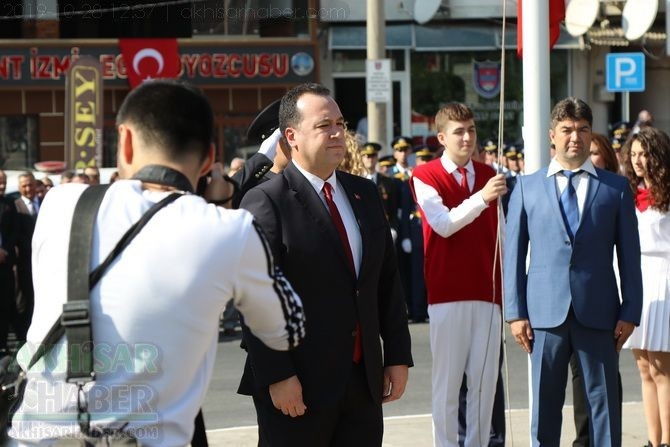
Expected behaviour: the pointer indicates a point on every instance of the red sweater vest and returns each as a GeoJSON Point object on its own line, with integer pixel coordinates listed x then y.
{"type": "Point", "coordinates": [461, 266]}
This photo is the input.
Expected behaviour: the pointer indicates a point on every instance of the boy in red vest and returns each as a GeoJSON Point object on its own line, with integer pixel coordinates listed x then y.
{"type": "Point", "coordinates": [458, 198]}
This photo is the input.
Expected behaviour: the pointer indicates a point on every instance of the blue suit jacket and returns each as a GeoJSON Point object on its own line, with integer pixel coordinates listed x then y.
{"type": "Point", "coordinates": [580, 273]}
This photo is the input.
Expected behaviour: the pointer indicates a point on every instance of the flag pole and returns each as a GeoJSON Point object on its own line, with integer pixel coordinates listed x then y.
{"type": "Point", "coordinates": [536, 83]}
{"type": "Point", "coordinates": [536, 104]}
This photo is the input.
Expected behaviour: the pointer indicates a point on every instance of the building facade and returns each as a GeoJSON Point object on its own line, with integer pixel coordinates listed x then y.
{"type": "Point", "coordinates": [246, 53]}
{"type": "Point", "coordinates": [451, 50]}
{"type": "Point", "coordinates": [242, 54]}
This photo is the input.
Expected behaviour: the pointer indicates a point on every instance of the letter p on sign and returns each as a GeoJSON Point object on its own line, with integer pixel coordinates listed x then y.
{"type": "Point", "coordinates": [625, 72]}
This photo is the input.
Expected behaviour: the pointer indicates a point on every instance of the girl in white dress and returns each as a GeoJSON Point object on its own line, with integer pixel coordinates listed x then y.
{"type": "Point", "coordinates": [647, 166]}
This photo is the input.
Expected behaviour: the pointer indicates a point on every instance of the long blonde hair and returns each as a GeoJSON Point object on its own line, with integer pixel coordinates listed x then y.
{"type": "Point", "coordinates": [352, 161]}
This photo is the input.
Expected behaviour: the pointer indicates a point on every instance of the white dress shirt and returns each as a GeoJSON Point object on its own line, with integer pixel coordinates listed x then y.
{"type": "Point", "coordinates": [32, 205]}
{"type": "Point", "coordinates": [343, 206]}
{"type": "Point", "coordinates": [580, 181]}
{"type": "Point", "coordinates": [442, 220]}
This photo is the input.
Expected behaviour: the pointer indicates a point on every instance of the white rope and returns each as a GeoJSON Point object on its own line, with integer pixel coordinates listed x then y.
{"type": "Point", "coordinates": [498, 249]}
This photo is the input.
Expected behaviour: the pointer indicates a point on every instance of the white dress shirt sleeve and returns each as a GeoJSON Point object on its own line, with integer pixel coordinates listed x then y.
{"type": "Point", "coordinates": [442, 220]}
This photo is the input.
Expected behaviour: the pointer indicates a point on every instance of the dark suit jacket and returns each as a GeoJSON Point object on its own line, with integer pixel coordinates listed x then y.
{"type": "Point", "coordinates": [252, 173]}
{"type": "Point", "coordinates": [388, 190]}
{"type": "Point", "coordinates": [309, 251]}
{"type": "Point", "coordinates": [26, 225]}
{"type": "Point", "coordinates": [9, 230]}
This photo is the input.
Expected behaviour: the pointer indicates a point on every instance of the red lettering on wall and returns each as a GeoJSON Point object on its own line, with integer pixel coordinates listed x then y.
{"type": "Point", "coordinates": [264, 65]}
{"type": "Point", "coordinates": [60, 66]}
{"type": "Point", "coordinates": [234, 65]}
{"type": "Point", "coordinates": [250, 65]}
{"type": "Point", "coordinates": [108, 66]}
{"type": "Point", "coordinates": [189, 61]}
{"type": "Point", "coordinates": [281, 65]}
{"type": "Point", "coordinates": [205, 65]}
{"type": "Point", "coordinates": [218, 60]}
{"type": "Point", "coordinates": [42, 67]}
{"type": "Point", "coordinates": [10, 67]}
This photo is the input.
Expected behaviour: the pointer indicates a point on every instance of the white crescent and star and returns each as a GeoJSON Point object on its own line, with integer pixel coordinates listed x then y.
{"type": "Point", "coordinates": [151, 53]}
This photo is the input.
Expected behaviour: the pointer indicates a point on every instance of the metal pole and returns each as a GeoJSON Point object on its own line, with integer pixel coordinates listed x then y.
{"type": "Point", "coordinates": [376, 44]}
{"type": "Point", "coordinates": [625, 106]}
{"type": "Point", "coordinates": [536, 99]}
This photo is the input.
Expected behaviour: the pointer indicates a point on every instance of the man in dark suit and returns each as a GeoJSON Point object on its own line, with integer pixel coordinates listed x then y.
{"type": "Point", "coordinates": [329, 233]}
{"type": "Point", "coordinates": [566, 301]}
{"type": "Point", "coordinates": [387, 187]}
{"type": "Point", "coordinates": [513, 155]}
{"type": "Point", "coordinates": [8, 236]}
{"type": "Point", "coordinates": [27, 207]}
{"type": "Point", "coordinates": [411, 242]}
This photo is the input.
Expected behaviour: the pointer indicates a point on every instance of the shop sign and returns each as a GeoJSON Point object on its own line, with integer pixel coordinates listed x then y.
{"type": "Point", "coordinates": [42, 66]}
{"type": "Point", "coordinates": [83, 114]}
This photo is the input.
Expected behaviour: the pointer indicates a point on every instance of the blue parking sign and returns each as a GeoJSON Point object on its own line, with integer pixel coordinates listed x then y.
{"type": "Point", "coordinates": [625, 72]}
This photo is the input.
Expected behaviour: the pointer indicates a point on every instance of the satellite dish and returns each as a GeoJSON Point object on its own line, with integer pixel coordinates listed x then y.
{"type": "Point", "coordinates": [637, 17]}
{"type": "Point", "coordinates": [424, 10]}
{"type": "Point", "coordinates": [580, 15]}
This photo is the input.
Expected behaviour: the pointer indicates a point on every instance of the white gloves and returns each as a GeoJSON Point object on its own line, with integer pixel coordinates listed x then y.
{"type": "Point", "coordinates": [269, 145]}
{"type": "Point", "coordinates": [406, 245]}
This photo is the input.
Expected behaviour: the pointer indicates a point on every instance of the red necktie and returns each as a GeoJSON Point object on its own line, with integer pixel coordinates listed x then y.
{"type": "Point", "coordinates": [339, 224]}
{"type": "Point", "coordinates": [464, 178]}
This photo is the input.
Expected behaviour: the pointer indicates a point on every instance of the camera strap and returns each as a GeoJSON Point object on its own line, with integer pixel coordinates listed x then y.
{"type": "Point", "coordinates": [163, 175]}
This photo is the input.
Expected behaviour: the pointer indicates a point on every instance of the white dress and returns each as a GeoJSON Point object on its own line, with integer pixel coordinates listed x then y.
{"type": "Point", "coordinates": [653, 334]}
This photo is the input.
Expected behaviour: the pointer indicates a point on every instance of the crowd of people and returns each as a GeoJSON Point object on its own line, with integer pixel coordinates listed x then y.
{"type": "Point", "coordinates": [334, 246]}
{"type": "Point", "coordinates": [18, 214]}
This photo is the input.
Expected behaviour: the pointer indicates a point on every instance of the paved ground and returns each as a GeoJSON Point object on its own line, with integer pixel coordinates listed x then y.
{"type": "Point", "coordinates": [416, 431]}
{"type": "Point", "coordinates": [231, 418]}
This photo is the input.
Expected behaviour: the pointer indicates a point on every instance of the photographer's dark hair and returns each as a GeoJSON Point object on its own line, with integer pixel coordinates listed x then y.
{"type": "Point", "coordinates": [170, 115]}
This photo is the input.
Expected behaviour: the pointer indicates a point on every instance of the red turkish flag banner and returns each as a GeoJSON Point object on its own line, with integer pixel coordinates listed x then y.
{"type": "Point", "coordinates": [556, 16]}
{"type": "Point", "coordinates": [150, 59]}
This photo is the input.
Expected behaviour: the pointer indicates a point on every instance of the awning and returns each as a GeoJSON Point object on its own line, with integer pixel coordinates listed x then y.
{"type": "Point", "coordinates": [452, 37]}
{"type": "Point", "coordinates": [355, 37]}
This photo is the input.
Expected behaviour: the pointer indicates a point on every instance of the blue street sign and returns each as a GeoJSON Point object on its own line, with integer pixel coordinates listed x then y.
{"type": "Point", "coordinates": [625, 72]}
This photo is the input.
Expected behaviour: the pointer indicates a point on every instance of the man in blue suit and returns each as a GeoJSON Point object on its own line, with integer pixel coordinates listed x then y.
{"type": "Point", "coordinates": [573, 216]}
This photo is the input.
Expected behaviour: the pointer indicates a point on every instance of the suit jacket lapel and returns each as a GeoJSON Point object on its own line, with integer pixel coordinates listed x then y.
{"type": "Point", "coordinates": [315, 208]}
{"type": "Point", "coordinates": [553, 199]}
{"type": "Point", "coordinates": [552, 195]}
{"type": "Point", "coordinates": [591, 192]}
{"type": "Point", "coordinates": [21, 206]}
{"type": "Point", "coordinates": [357, 205]}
